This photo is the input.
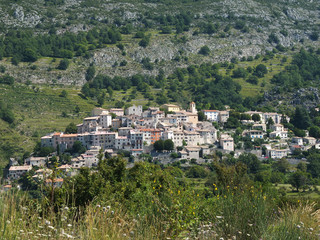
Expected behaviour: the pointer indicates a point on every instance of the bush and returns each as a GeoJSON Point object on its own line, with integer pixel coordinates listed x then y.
{"type": "Point", "coordinates": [7, 79]}
{"type": "Point", "coordinates": [197, 172]}
{"type": "Point", "coordinates": [204, 50]}
{"type": "Point", "coordinates": [64, 64]}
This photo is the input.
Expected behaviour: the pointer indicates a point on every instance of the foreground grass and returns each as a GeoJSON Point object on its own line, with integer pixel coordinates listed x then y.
{"type": "Point", "coordinates": [232, 216]}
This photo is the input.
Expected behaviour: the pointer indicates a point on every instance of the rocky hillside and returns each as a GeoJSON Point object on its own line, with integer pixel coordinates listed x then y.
{"type": "Point", "coordinates": [230, 29]}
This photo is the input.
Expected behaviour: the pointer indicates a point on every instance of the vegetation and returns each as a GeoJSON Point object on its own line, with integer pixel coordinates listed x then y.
{"type": "Point", "coordinates": [146, 202]}
{"type": "Point", "coordinates": [26, 46]}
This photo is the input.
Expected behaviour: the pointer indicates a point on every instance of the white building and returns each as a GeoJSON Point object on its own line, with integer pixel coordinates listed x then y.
{"type": "Point", "coordinates": [226, 142]}
{"type": "Point", "coordinates": [211, 115]}
{"type": "Point", "coordinates": [191, 152]}
{"type": "Point", "coordinates": [16, 172]}
{"type": "Point", "coordinates": [297, 140]}
{"type": "Point", "coordinates": [277, 127]}
{"type": "Point", "coordinates": [105, 120]}
{"type": "Point", "coordinates": [36, 161]}
{"type": "Point", "coordinates": [134, 110]}
{"type": "Point", "coordinates": [223, 116]}
{"type": "Point", "coordinates": [280, 134]}
{"type": "Point", "coordinates": [310, 140]}
{"type": "Point", "coordinates": [253, 134]}
{"type": "Point", "coordinates": [277, 153]}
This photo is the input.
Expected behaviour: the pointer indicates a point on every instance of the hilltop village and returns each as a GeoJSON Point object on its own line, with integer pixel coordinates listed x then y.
{"type": "Point", "coordinates": [168, 134]}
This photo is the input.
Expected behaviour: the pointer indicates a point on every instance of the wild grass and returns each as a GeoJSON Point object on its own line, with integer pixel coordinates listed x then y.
{"type": "Point", "coordinates": [249, 213]}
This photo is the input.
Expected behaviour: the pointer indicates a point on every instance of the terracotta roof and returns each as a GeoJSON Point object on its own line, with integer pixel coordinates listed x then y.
{"type": "Point", "coordinates": [69, 135]}
{"type": "Point", "coordinates": [17, 168]}
{"type": "Point", "coordinates": [210, 110]}
{"type": "Point", "coordinates": [54, 180]}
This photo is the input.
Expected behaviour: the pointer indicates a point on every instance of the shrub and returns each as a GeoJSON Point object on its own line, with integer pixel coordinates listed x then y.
{"type": "Point", "coordinates": [204, 50]}
{"type": "Point", "coordinates": [64, 64]}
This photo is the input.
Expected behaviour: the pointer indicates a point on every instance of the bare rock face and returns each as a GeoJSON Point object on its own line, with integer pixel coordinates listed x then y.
{"type": "Point", "coordinates": [166, 51]}
{"type": "Point", "coordinates": [19, 13]}
{"type": "Point", "coordinates": [307, 97]}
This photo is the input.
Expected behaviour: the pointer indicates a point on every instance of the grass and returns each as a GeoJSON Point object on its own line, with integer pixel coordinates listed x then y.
{"type": "Point", "coordinates": [38, 111]}
{"type": "Point", "coordinates": [274, 66]}
{"type": "Point", "coordinates": [246, 215]}
{"type": "Point", "coordinates": [294, 194]}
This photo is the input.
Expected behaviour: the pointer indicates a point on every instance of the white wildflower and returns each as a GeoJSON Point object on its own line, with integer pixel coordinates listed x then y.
{"type": "Point", "coordinates": [98, 206]}
{"type": "Point", "coordinates": [69, 225]}
{"type": "Point", "coordinates": [311, 229]}
{"type": "Point", "coordinates": [108, 207]}
{"type": "Point", "coordinates": [8, 222]}
{"type": "Point", "coordinates": [47, 222]}
{"type": "Point", "coordinates": [66, 208]}
{"type": "Point", "coordinates": [112, 212]}
{"type": "Point", "coordinates": [219, 217]}
{"type": "Point", "coordinates": [51, 227]}
{"type": "Point", "coordinates": [298, 226]}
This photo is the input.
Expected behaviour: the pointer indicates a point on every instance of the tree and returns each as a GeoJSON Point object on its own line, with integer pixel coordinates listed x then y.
{"type": "Point", "coordinates": [260, 71]}
{"type": "Point", "coordinates": [232, 122]}
{"type": "Point", "coordinates": [298, 179]}
{"type": "Point", "coordinates": [159, 145]}
{"type": "Point", "coordinates": [239, 73]}
{"type": "Point", "coordinates": [110, 91]}
{"type": "Point", "coordinates": [91, 71]}
{"type": "Point", "coordinates": [6, 114]}
{"type": "Point", "coordinates": [270, 122]}
{"type": "Point", "coordinates": [251, 161]}
{"type": "Point", "coordinates": [204, 50]}
{"type": "Point", "coordinates": [314, 131]}
{"type": "Point", "coordinates": [302, 166]}
{"type": "Point", "coordinates": [29, 55]}
{"type": "Point", "coordinates": [112, 169]}
{"type": "Point", "coordinates": [301, 118]}
{"type": "Point", "coordinates": [64, 64]}
{"type": "Point", "coordinates": [197, 172]}
{"type": "Point", "coordinates": [77, 148]}
{"type": "Point", "coordinates": [281, 165]}
{"type": "Point", "coordinates": [256, 117]}
{"type": "Point", "coordinates": [168, 145]}
{"type": "Point", "coordinates": [201, 116]}
{"type": "Point", "coordinates": [63, 94]}
{"type": "Point", "coordinates": [7, 79]}
{"type": "Point", "coordinates": [253, 79]}
{"type": "Point", "coordinates": [314, 165]}
{"type": "Point", "coordinates": [314, 36]}
{"type": "Point", "coordinates": [71, 128]}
